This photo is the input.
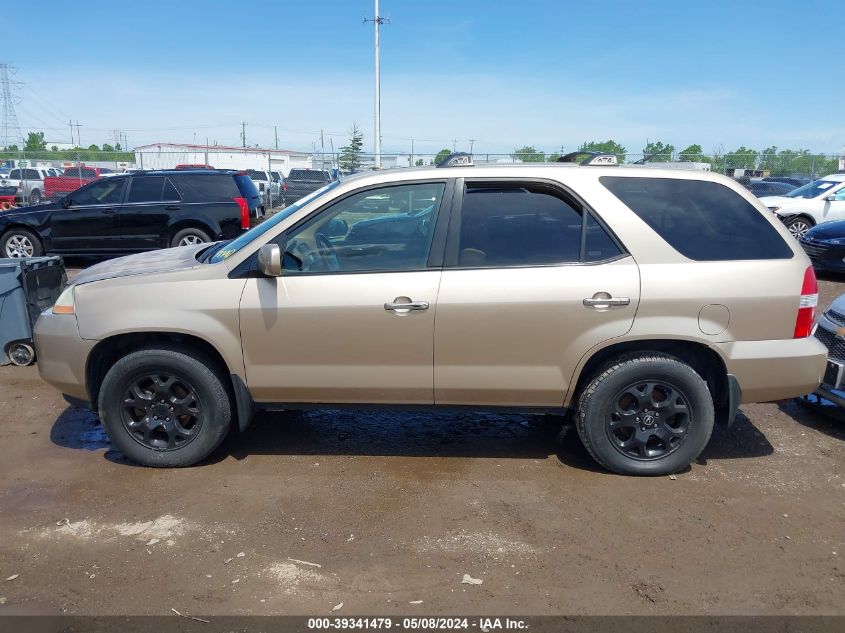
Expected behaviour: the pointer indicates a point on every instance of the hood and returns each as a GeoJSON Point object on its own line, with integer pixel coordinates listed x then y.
{"type": "Point", "coordinates": [827, 231]}
{"type": "Point", "coordinates": [164, 260]}
{"type": "Point", "coordinates": [777, 201]}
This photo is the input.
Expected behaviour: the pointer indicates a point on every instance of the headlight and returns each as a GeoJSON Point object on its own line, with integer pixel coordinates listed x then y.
{"type": "Point", "coordinates": [64, 304]}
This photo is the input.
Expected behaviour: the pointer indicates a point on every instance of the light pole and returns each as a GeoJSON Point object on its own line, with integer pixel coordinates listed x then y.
{"type": "Point", "coordinates": [377, 22]}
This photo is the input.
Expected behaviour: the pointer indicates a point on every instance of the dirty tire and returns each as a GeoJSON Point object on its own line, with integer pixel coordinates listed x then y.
{"type": "Point", "coordinates": [18, 242]}
{"type": "Point", "coordinates": [190, 237]}
{"type": "Point", "coordinates": [600, 399]}
{"type": "Point", "coordinates": [193, 374]}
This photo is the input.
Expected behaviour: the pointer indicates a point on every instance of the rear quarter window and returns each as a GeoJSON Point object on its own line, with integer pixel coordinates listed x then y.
{"type": "Point", "coordinates": [211, 187]}
{"type": "Point", "coordinates": [702, 220]}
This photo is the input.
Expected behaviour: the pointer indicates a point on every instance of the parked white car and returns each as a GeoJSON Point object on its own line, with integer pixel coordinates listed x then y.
{"type": "Point", "coordinates": [29, 182]}
{"type": "Point", "coordinates": [820, 201]}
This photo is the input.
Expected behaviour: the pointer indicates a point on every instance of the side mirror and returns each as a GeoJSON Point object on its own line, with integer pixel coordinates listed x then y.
{"type": "Point", "coordinates": [270, 260]}
{"type": "Point", "coordinates": [66, 202]}
{"type": "Point", "coordinates": [831, 197]}
{"type": "Point", "coordinates": [337, 228]}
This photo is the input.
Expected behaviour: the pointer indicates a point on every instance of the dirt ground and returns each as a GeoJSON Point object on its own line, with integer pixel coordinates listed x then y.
{"type": "Point", "coordinates": [381, 511]}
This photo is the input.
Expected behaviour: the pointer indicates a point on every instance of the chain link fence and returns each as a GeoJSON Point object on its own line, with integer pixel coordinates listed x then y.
{"type": "Point", "coordinates": [25, 175]}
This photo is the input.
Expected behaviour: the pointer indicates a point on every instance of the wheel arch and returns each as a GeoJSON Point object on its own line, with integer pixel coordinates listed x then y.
{"type": "Point", "coordinates": [701, 357]}
{"type": "Point", "coordinates": [191, 223]}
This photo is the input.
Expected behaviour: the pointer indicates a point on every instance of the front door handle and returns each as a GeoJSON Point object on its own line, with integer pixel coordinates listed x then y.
{"type": "Point", "coordinates": [604, 300]}
{"type": "Point", "coordinates": [172, 207]}
{"type": "Point", "coordinates": [108, 211]}
{"type": "Point", "coordinates": [405, 306]}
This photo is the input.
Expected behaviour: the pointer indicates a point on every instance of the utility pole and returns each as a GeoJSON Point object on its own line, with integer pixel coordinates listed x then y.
{"type": "Point", "coordinates": [377, 22]}
{"type": "Point", "coordinates": [454, 145]}
{"type": "Point", "coordinates": [10, 130]}
{"type": "Point", "coordinates": [70, 123]}
{"type": "Point", "coordinates": [78, 137]}
{"type": "Point", "coordinates": [276, 134]}
{"type": "Point", "coordinates": [243, 133]}
{"type": "Point", "coordinates": [411, 162]}
{"type": "Point", "coordinates": [471, 144]}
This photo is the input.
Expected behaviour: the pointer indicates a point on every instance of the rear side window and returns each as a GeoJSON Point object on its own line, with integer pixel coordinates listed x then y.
{"type": "Point", "coordinates": [308, 174]}
{"type": "Point", "coordinates": [527, 226]}
{"type": "Point", "coordinates": [256, 175]}
{"type": "Point", "coordinates": [152, 189]}
{"type": "Point", "coordinates": [704, 221]}
{"type": "Point", "coordinates": [207, 187]}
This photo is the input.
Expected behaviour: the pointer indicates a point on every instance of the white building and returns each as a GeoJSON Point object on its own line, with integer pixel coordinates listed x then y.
{"type": "Point", "coordinates": [169, 155]}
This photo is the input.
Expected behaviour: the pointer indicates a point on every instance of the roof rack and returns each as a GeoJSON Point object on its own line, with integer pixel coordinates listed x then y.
{"type": "Point", "coordinates": [592, 158]}
{"type": "Point", "coordinates": [457, 159]}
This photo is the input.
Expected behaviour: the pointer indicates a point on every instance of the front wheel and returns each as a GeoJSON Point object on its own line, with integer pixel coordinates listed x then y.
{"type": "Point", "coordinates": [19, 243]}
{"type": "Point", "coordinates": [165, 407]}
{"type": "Point", "coordinates": [35, 197]}
{"type": "Point", "coordinates": [645, 414]}
{"type": "Point", "coordinates": [799, 226]}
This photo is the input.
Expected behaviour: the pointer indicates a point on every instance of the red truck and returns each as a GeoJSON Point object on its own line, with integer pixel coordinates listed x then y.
{"type": "Point", "coordinates": [71, 180]}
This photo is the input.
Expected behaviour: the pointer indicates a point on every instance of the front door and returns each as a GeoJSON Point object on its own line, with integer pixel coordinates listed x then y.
{"type": "Point", "coordinates": [531, 282]}
{"type": "Point", "coordinates": [351, 319]}
{"type": "Point", "coordinates": [89, 222]}
{"type": "Point", "coordinates": [145, 216]}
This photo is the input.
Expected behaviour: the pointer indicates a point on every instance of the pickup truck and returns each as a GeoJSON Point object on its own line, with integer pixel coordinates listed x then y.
{"type": "Point", "coordinates": [301, 182]}
{"type": "Point", "coordinates": [71, 180]}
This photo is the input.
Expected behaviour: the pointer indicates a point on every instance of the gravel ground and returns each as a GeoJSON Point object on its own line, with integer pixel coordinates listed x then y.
{"type": "Point", "coordinates": [379, 511]}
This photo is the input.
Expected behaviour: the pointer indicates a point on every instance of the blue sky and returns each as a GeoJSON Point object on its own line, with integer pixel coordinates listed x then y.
{"type": "Point", "coordinates": [548, 73]}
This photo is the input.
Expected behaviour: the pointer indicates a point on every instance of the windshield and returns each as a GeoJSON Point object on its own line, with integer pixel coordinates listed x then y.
{"type": "Point", "coordinates": [814, 189]}
{"type": "Point", "coordinates": [238, 243]}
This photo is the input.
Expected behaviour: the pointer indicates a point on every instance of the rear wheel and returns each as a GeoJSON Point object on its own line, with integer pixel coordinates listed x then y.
{"type": "Point", "coordinates": [645, 414]}
{"type": "Point", "coordinates": [165, 407]}
{"type": "Point", "coordinates": [35, 197]}
{"type": "Point", "coordinates": [799, 225]}
{"type": "Point", "coordinates": [18, 243]}
{"type": "Point", "coordinates": [190, 237]}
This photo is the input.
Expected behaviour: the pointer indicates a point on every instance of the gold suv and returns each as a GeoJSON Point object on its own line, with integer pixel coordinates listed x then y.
{"type": "Point", "coordinates": [649, 303]}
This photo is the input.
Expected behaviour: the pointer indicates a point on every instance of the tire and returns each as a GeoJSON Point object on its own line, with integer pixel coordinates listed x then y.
{"type": "Point", "coordinates": [799, 225]}
{"type": "Point", "coordinates": [187, 381]}
{"type": "Point", "coordinates": [17, 243]}
{"type": "Point", "coordinates": [35, 197]}
{"type": "Point", "coordinates": [618, 415]}
{"type": "Point", "coordinates": [190, 237]}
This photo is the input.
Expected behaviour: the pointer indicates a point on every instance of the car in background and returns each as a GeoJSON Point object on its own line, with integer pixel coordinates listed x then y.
{"type": "Point", "coordinates": [825, 245]}
{"type": "Point", "coordinates": [761, 188]}
{"type": "Point", "coordinates": [803, 208]}
{"type": "Point", "coordinates": [795, 181]}
{"type": "Point", "coordinates": [193, 166]}
{"type": "Point", "coordinates": [28, 183]}
{"type": "Point", "coordinates": [138, 212]}
{"type": "Point", "coordinates": [71, 179]}
{"type": "Point", "coordinates": [301, 182]}
{"type": "Point", "coordinates": [270, 190]}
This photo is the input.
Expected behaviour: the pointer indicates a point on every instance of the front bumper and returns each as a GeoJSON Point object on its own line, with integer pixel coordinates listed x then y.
{"type": "Point", "coordinates": [62, 353]}
{"type": "Point", "coordinates": [825, 255]}
{"type": "Point", "coordinates": [775, 370]}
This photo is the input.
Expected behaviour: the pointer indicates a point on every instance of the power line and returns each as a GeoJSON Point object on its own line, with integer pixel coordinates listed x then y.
{"type": "Point", "coordinates": [10, 131]}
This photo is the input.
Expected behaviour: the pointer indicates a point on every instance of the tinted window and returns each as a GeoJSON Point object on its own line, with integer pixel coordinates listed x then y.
{"type": "Point", "coordinates": [388, 229]}
{"type": "Point", "coordinates": [170, 192]}
{"type": "Point", "coordinates": [31, 174]}
{"type": "Point", "coordinates": [517, 227]}
{"type": "Point", "coordinates": [256, 175]}
{"type": "Point", "coordinates": [146, 189]}
{"type": "Point", "coordinates": [309, 174]}
{"type": "Point", "coordinates": [15, 173]}
{"type": "Point", "coordinates": [216, 187]}
{"type": "Point", "coordinates": [599, 246]}
{"type": "Point", "coordinates": [702, 220]}
{"type": "Point", "coordinates": [105, 191]}
{"type": "Point", "coordinates": [77, 172]}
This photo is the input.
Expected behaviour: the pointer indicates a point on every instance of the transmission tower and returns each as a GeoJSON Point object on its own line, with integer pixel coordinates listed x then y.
{"type": "Point", "coordinates": [10, 130]}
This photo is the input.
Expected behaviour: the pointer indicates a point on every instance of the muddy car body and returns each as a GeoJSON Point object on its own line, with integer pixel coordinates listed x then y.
{"type": "Point", "coordinates": [650, 303]}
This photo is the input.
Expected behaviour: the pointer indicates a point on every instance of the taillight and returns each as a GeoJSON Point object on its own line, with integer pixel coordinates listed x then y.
{"type": "Point", "coordinates": [807, 305]}
{"type": "Point", "coordinates": [245, 211]}
{"type": "Point", "coordinates": [286, 186]}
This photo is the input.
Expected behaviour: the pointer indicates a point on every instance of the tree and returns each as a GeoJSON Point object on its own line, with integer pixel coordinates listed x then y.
{"type": "Point", "coordinates": [12, 148]}
{"type": "Point", "coordinates": [117, 147]}
{"type": "Point", "coordinates": [443, 153]}
{"type": "Point", "coordinates": [55, 148]}
{"type": "Point", "coordinates": [350, 155]}
{"type": "Point", "coordinates": [606, 147]}
{"type": "Point", "coordinates": [107, 147]}
{"type": "Point", "coordinates": [658, 152]}
{"type": "Point", "coordinates": [742, 158]}
{"type": "Point", "coordinates": [693, 153]}
{"type": "Point", "coordinates": [528, 154]}
{"type": "Point", "coordinates": [420, 162]}
{"type": "Point", "coordinates": [93, 148]}
{"type": "Point", "coordinates": [35, 142]}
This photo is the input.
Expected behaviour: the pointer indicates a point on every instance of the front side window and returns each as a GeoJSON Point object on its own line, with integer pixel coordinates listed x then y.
{"type": "Point", "coordinates": [702, 220]}
{"type": "Point", "coordinates": [105, 191]}
{"type": "Point", "coordinates": [387, 229]}
{"type": "Point", "coordinates": [523, 224]}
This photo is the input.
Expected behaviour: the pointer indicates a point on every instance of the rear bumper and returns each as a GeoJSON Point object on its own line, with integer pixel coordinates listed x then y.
{"type": "Point", "coordinates": [775, 370]}
{"type": "Point", "coordinates": [62, 354]}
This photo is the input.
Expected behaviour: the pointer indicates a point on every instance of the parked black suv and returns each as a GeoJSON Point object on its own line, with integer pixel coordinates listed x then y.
{"type": "Point", "coordinates": [142, 211]}
{"type": "Point", "coordinates": [301, 182]}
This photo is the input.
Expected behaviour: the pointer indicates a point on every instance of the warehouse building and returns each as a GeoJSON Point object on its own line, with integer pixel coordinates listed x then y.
{"type": "Point", "coordinates": [169, 155]}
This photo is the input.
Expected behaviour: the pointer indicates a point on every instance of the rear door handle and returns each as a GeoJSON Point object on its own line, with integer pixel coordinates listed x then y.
{"type": "Point", "coordinates": [409, 305]}
{"type": "Point", "coordinates": [604, 300]}
{"type": "Point", "coordinates": [172, 207]}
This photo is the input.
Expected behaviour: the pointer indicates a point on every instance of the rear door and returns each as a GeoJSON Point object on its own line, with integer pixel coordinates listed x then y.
{"type": "Point", "coordinates": [89, 222]}
{"type": "Point", "coordinates": [145, 216]}
{"type": "Point", "coordinates": [532, 280]}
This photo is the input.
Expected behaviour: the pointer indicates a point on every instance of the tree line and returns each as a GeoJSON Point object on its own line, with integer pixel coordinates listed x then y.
{"type": "Point", "coordinates": [35, 147]}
